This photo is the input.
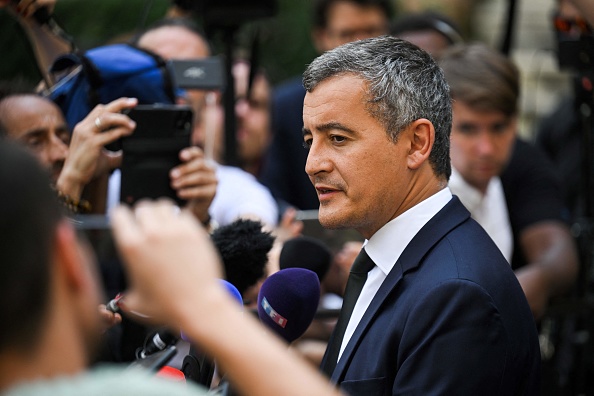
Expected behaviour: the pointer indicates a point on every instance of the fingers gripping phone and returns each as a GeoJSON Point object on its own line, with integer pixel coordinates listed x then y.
{"type": "Point", "coordinates": [152, 150]}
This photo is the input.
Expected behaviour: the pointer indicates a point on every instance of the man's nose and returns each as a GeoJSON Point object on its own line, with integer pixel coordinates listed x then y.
{"type": "Point", "coordinates": [58, 149]}
{"type": "Point", "coordinates": [317, 160]}
{"type": "Point", "coordinates": [241, 107]}
{"type": "Point", "coordinates": [485, 144]}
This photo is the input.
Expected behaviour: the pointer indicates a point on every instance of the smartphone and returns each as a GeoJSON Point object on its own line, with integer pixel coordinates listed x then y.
{"type": "Point", "coordinates": [152, 150]}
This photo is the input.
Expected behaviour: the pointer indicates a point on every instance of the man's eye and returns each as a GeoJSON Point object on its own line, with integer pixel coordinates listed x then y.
{"type": "Point", "coordinates": [338, 139]}
{"type": "Point", "coordinates": [34, 142]}
{"type": "Point", "coordinates": [65, 137]}
{"type": "Point", "coordinates": [467, 129]}
{"type": "Point", "coordinates": [307, 144]}
{"type": "Point", "coordinates": [499, 127]}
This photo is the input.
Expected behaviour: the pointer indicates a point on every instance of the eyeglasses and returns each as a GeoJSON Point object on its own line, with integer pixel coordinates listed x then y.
{"type": "Point", "coordinates": [571, 25]}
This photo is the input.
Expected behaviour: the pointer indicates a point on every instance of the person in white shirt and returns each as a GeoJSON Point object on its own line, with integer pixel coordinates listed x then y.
{"type": "Point", "coordinates": [238, 194]}
{"type": "Point", "coordinates": [509, 186]}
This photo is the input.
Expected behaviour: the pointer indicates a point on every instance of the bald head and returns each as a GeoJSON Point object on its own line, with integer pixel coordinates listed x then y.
{"type": "Point", "coordinates": [175, 42]}
{"type": "Point", "coordinates": [39, 125]}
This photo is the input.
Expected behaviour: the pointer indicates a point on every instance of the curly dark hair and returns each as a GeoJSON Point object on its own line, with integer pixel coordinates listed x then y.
{"type": "Point", "coordinates": [243, 247]}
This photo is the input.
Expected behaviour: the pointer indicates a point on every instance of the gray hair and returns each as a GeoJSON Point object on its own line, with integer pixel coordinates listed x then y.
{"type": "Point", "coordinates": [403, 84]}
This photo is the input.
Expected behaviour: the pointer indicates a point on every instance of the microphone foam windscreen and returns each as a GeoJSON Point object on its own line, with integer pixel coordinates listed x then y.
{"type": "Point", "coordinates": [233, 291]}
{"type": "Point", "coordinates": [306, 252]}
{"type": "Point", "coordinates": [288, 301]}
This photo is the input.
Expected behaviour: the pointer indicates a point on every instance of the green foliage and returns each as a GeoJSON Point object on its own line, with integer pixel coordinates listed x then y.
{"type": "Point", "coordinates": [285, 45]}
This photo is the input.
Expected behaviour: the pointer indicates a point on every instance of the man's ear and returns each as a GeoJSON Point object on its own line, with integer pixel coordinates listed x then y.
{"type": "Point", "coordinates": [422, 135]}
{"type": "Point", "coordinates": [68, 257]}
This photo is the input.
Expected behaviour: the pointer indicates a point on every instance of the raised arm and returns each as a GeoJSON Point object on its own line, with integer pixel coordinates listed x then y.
{"type": "Point", "coordinates": [45, 41]}
{"type": "Point", "coordinates": [173, 269]}
{"type": "Point", "coordinates": [553, 263]}
{"type": "Point", "coordinates": [86, 155]}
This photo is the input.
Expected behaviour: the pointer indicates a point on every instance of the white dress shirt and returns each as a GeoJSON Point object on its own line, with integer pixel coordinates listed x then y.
{"type": "Point", "coordinates": [386, 246]}
{"type": "Point", "coordinates": [489, 210]}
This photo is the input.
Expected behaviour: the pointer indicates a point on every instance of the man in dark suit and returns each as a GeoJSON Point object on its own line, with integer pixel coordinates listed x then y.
{"type": "Point", "coordinates": [440, 311]}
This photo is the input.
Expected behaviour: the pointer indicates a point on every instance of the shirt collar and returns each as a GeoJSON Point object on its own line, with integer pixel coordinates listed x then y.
{"type": "Point", "coordinates": [470, 196]}
{"type": "Point", "coordinates": [388, 243]}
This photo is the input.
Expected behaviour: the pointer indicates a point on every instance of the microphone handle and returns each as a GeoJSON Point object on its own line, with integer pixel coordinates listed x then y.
{"type": "Point", "coordinates": [157, 342]}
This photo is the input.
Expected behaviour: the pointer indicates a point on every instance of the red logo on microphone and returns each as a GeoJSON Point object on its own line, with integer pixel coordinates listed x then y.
{"type": "Point", "coordinates": [275, 316]}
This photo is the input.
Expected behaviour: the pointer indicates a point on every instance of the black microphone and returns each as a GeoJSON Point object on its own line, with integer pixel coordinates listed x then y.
{"type": "Point", "coordinates": [306, 252]}
{"type": "Point", "coordinates": [155, 342]}
{"type": "Point", "coordinates": [196, 366]}
{"type": "Point", "coordinates": [288, 301]}
{"type": "Point", "coordinates": [113, 305]}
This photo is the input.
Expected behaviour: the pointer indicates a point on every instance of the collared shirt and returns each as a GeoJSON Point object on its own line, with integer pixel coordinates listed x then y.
{"type": "Point", "coordinates": [386, 246]}
{"type": "Point", "coordinates": [489, 210]}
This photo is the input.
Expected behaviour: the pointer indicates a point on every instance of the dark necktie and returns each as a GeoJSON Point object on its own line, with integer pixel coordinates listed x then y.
{"type": "Point", "coordinates": [361, 266]}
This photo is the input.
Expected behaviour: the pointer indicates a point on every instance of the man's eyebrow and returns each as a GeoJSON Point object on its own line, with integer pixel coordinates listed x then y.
{"type": "Point", "coordinates": [33, 133]}
{"type": "Point", "coordinates": [330, 126]}
{"type": "Point", "coordinates": [63, 127]}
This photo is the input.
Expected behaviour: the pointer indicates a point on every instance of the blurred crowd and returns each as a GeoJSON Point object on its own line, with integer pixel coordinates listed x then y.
{"type": "Point", "coordinates": [245, 210]}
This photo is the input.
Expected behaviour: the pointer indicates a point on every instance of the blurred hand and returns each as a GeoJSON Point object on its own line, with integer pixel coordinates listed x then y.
{"type": "Point", "coordinates": [108, 318]}
{"type": "Point", "coordinates": [195, 181]}
{"type": "Point", "coordinates": [172, 265]}
{"type": "Point", "coordinates": [289, 226]}
{"type": "Point", "coordinates": [346, 256]}
{"type": "Point", "coordinates": [26, 8]}
{"type": "Point", "coordinates": [87, 157]}
{"type": "Point", "coordinates": [535, 288]}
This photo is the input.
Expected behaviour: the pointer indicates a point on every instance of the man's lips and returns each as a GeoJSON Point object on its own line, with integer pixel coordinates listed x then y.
{"type": "Point", "coordinates": [325, 191]}
{"type": "Point", "coordinates": [486, 168]}
{"type": "Point", "coordinates": [242, 134]}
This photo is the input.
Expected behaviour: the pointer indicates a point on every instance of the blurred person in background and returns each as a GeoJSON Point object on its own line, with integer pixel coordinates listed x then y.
{"type": "Point", "coordinates": [518, 200]}
{"type": "Point", "coordinates": [561, 133]}
{"type": "Point", "coordinates": [239, 194]}
{"type": "Point", "coordinates": [429, 30]}
{"type": "Point", "coordinates": [507, 184]}
{"type": "Point", "coordinates": [74, 158]}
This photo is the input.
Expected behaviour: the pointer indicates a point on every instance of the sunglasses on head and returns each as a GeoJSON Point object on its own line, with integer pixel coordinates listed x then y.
{"type": "Point", "coordinates": [571, 25]}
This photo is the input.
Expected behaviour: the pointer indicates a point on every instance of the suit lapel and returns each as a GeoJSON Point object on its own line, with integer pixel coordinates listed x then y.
{"type": "Point", "coordinates": [449, 217]}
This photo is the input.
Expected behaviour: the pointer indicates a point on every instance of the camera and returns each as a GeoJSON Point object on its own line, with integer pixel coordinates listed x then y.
{"type": "Point", "coordinates": [576, 54]}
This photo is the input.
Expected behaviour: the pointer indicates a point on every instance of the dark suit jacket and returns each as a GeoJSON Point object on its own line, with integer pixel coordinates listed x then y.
{"type": "Point", "coordinates": [450, 319]}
